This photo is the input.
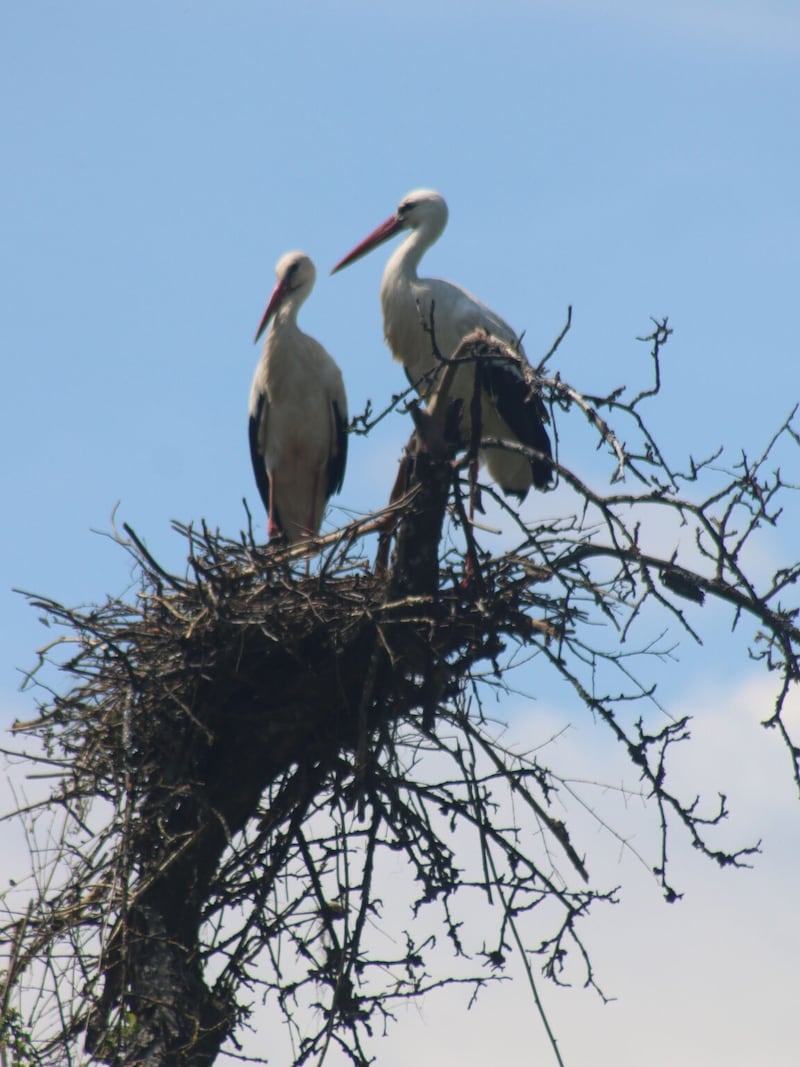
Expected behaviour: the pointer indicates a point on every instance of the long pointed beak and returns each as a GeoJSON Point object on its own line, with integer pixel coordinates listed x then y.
{"type": "Point", "coordinates": [279, 293]}
{"type": "Point", "coordinates": [377, 237]}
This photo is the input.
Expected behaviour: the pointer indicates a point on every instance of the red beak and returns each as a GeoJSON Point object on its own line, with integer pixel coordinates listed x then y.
{"type": "Point", "coordinates": [377, 237]}
{"type": "Point", "coordinates": [279, 293]}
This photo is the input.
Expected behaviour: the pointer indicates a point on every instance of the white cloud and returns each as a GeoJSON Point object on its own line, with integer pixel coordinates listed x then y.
{"type": "Point", "coordinates": [706, 982]}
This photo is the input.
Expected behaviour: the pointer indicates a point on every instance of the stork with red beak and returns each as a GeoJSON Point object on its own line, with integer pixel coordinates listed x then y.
{"type": "Point", "coordinates": [510, 409]}
{"type": "Point", "coordinates": [298, 412]}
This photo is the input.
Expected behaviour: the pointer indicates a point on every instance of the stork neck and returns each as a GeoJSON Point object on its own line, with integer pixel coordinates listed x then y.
{"type": "Point", "coordinates": [286, 314]}
{"type": "Point", "coordinates": [406, 259]}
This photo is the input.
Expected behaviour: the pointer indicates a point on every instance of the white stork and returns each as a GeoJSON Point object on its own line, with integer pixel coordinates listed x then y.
{"type": "Point", "coordinates": [509, 409]}
{"type": "Point", "coordinates": [298, 412]}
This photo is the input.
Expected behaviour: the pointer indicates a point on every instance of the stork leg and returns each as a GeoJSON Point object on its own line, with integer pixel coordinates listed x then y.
{"type": "Point", "coordinates": [274, 528]}
{"type": "Point", "coordinates": [311, 522]}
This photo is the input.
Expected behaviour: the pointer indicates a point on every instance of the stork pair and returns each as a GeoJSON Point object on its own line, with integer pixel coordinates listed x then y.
{"type": "Point", "coordinates": [298, 406]}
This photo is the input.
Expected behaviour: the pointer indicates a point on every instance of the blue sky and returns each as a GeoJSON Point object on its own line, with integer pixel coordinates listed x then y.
{"type": "Point", "coordinates": [630, 159]}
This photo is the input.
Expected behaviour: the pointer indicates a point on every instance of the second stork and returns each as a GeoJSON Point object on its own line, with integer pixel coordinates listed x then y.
{"type": "Point", "coordinates": [298, 412]}
{"type": "Point", "coordinates": [510, 409]}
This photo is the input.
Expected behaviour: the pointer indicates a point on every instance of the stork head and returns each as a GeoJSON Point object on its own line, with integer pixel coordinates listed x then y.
{"type": "Point", "coordinates": [296, 276]}
{"type": "Point", "coordinates": [423, 209]}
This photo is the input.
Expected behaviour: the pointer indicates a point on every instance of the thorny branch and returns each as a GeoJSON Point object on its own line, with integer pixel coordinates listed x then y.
{"type": "Point", "coordinates": [245, 756]}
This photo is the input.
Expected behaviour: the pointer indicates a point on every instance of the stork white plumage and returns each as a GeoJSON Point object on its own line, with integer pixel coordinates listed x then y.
{"type": "Point", "coordinates": [298, 412]}
{"type": "Point", "coordinates": [510, 410]}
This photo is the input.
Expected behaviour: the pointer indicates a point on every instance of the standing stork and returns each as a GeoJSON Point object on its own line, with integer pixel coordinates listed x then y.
{"type": "Point", "coordinates": [510, 409]}
{"type": "Point", "coordinates": [298, 412]}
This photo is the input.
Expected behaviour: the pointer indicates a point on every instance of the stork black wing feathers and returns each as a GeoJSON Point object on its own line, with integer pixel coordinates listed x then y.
{"type": "Point", "coordinates": [259, 467]}
{"type": "Point", "coordinates": [522, 410]}
{"type": "Point", "coordinates": [338, 459]}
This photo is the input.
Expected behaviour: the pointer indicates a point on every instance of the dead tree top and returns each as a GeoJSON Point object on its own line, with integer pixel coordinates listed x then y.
{"type": "Point", "coordinates": [240, 749]}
